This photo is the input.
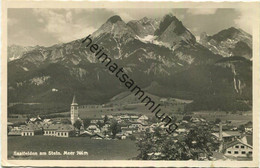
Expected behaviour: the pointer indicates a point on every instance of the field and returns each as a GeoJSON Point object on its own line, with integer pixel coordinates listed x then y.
{"type": "Point", "coordinates": [236, 119]}
{"type": "Point", "coordinates": [97, 149]}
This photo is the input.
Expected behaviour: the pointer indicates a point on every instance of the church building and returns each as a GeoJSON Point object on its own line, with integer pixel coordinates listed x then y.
{"type": "Point", "coordinates": [74, 113]}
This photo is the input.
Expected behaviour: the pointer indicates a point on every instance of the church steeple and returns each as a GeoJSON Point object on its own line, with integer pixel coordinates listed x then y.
{"type": "Point", "coordinates": [74, 114]}
{"type": "Point", "coordinates": [74, 101]}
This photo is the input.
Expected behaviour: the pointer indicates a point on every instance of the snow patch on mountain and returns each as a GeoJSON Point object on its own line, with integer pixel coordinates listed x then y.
{"type": "Point", "coordinates": [25, 69]}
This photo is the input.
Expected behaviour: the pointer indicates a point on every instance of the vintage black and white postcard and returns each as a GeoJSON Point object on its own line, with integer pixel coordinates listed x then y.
{"type": "Point", "coordinates": [130, 84]}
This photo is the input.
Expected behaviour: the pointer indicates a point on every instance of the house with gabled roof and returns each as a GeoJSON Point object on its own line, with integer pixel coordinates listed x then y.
{"type": "Point", "coordinates": [66, 131]}
{"type": "Point", "coordinates": [50, 130]}
{"type": "Point", "coordinates": [228, 135]}
{"type": "Point", "coordinates": [59, 130]}
{"type": "Point", "coordinates": [31, 130]}
{"type": "Point", "coordinates": [93, 128]}
{"type": "Point", "coordinates": [238, 148]}
{"type": "Point", "coordinates": [143, 117]}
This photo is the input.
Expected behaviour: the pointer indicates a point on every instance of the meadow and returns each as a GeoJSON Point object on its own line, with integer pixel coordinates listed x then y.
{"type": "Point", "coordinates": [97, 149]}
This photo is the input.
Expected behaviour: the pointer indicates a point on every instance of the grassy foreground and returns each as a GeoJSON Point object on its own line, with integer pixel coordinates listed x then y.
{"type": "Point", "coordinates": [97, 149]}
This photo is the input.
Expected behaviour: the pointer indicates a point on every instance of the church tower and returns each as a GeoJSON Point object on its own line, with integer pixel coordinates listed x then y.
{"type": "Point", "coordinates": [74, 114]}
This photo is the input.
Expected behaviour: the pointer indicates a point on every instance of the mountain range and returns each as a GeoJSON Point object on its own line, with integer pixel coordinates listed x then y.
{"type": "Point", "coordinates": [162, 56]}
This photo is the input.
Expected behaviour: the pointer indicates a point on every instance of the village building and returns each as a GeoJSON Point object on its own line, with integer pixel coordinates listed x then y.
{"type": "Point", "coordinates": [143, 119]}
{"type": "Point", "coordinates": [127, 131]}
{"type": "Point", "coordinates": [66, 131]}
{"type": "Point", "coordinates": [15, 131]}
{"type": "Point", "coordinates": [228, 135]}
{"type": "Point", "coordinates": [50, 130]}
{"type": "Point", "coordinates": [93, 129]}
{"type": "Point", "coordinates": [182, 129]}
{"type": "Point", "coordinates": [94, 121]}
{"type": "Point", "coordinates": [238, 148]}
{"type": "Point", "coordinates": [59, 130]}
{"type": "Point", "coordinates": [47, 121]}
{"type": "Point", "coordinates": [195, 120]}
{"type": "Point", "coordinates": [124, 117]}
{"type": "Point", "coordinates": [134, 117]}
{"type": "Point", "coordinates": [142, 127]}
{"type": "Point", "coordinates": [135, 125]}
{"type": "Point", "coordinates": [31, 130]}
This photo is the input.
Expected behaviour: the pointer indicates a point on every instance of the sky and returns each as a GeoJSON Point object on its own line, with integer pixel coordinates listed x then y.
{"type": "Point", "coordinates": [46, 27]}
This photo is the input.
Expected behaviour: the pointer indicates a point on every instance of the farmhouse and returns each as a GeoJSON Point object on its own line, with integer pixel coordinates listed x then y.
{"type": "Point", "coordinates": [228, 135]}
{"type": "Point", "coordinates": [238, 148]}
{"type": "Point", "coordinates": [66, 131]}
{"type": "Point", "coordinates": [59, 130]}
{"type": "Point", "coordinates": [31, 130]}
{"type": "Point", "coordinates": [50, 130]}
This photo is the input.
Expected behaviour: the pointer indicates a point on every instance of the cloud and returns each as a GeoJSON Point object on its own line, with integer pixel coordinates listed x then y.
{"type": "Point", "coordinates": [202, 11]}
{"type": "Point", "coordinates": [31, 26]}
{"type": "Point", "coordinates": [62, 24]}
{"type": "Point", "coordinates": [246, 18]}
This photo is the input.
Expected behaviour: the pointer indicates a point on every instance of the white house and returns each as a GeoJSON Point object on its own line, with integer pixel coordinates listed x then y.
{"type": "Point", "coordinates": [31, 130]}
{"type": "Point", "coordinates": [238, 148]}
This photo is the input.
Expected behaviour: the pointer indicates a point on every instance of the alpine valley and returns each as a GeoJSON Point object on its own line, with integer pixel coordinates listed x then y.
{"type": "Point", "coordinates": [161, 56]}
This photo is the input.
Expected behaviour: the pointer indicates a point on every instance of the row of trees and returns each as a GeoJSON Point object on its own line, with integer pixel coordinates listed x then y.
{"type": "Point", "coordinates": [35, 109]}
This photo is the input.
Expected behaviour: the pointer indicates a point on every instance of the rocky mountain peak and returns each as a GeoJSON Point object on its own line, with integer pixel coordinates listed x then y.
{"type": "Point", "coordinates": [166, 21]}
{"type": "Point", "coordinates": [229, 42]}
{"type": "Point", "coordinates": [172, 32]}
{"type": "Point", "coordinates": [114, 19]}
{"type": "Point", "coordinates": [145, 19]}
{"type": "Point", "coordinates": [116, 27]}
{"type": "Point", "coordinates": [203, 38]}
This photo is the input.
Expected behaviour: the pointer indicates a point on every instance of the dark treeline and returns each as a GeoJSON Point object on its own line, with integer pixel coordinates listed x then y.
{"type": "Point", "coordinates": [38, 109]}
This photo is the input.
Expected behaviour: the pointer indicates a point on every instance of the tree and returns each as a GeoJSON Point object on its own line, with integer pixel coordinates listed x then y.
{"type": "Point", "coordinates": [187, 118]}
{"type": "Point", "coordinates": [218, 120]}
{"type": "Point", "coordinates": [115, 128]}
{"type": "Point", "coordinates": [132, 137]}
{"type": "Point", "coordinates": [179, 110]}
{"type": "Point", "coordinates": [241, 128]}
{"type": "Point", "coordinates": [105, 119]}
{"type": "Point", "coordinates": [77, 124]}
{"type": "Point", "coordinates": [100, 124]}
{"type": "Point", "coordinates": [181, 147]}
{"type": "Point", "coordinates": [86, 123]}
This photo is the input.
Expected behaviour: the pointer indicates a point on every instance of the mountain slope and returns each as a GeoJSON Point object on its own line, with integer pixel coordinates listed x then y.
{"type": "Point", "coordinates": [16, 51]}
{"type": "Point", "coordinates": [229, 42]}
{"type": "Point", "coordinates": [144, 27]}
{"type": "Point", "coordinates": [172, 32]}
{"type": "Point", "coordinates": [173, 59]}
